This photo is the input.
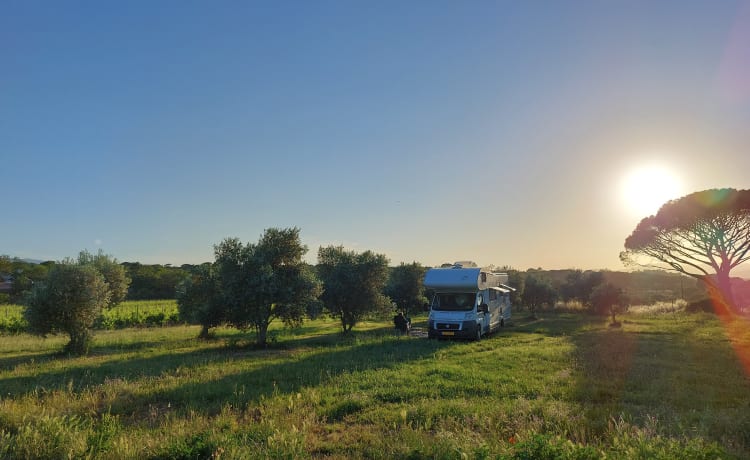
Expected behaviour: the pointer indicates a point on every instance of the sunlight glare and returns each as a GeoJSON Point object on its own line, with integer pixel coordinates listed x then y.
{"type": "Point", "coordinates": [647, 188]}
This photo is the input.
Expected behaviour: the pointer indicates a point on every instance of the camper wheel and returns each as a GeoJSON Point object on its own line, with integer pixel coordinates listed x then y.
{"type": "Point", "coordinates": [479, 333]}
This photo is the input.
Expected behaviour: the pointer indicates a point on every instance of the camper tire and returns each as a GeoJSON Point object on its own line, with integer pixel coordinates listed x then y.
{"type": "Point", "coordinates": [479, 333]}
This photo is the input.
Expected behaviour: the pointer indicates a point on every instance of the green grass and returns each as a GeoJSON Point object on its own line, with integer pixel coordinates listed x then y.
{"type": "Point", "coordinates": [565, 386]}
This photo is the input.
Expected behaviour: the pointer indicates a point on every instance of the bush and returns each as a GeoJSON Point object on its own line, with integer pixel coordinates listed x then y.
{"type": "Point", "coordinates": [701, 305]}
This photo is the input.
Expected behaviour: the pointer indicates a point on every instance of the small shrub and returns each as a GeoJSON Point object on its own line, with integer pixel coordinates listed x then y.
{"type": "Point", "coordinates": [701, 305]}
{"type": "Point", "coordinates": [197, 447]}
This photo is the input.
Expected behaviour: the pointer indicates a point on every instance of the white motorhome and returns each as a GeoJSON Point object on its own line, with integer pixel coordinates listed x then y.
{"type": "Point", "coordinates": [469, 302]}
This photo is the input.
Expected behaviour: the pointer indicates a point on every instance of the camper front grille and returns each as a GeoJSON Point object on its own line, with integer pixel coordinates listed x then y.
{"type": "Point", "coordinates": [447, 326]}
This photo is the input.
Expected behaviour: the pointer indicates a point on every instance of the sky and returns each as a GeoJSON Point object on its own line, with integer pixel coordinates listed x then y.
{"type": "Point", "coordinates": [525, 134]}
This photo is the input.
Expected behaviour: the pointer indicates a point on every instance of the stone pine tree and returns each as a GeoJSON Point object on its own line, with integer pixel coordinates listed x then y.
{"type": "Point", "coordinates": [265, 281]}
{"type": "Point", "coordinates": [353, 284]}
{"type": "Point", "coordinates": [704, 235]}
{"type": "Point", "coordinates": [69, 301]}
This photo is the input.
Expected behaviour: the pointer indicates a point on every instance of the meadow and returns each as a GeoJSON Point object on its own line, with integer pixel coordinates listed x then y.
{"type": "Point", "coordinates": [563, 386]}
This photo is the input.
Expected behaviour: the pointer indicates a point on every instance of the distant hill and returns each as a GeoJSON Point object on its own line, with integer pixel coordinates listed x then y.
{"type": "Point", "coordinates": [32, 261]}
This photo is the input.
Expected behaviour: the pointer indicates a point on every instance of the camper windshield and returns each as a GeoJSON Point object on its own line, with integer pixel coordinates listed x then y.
{"type": "Point", "coordinates": [461, 301]}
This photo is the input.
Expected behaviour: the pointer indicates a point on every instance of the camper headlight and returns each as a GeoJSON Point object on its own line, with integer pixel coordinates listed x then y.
{"type": "Point", "coordinates": [469, 316]}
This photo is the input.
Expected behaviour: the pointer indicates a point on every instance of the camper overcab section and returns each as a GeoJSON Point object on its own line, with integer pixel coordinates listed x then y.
{"type": "Point", "coordinates": [468, 302]}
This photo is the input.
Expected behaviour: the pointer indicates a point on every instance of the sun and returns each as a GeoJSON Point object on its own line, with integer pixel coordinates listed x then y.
{"type": "Point", "coordinates": [646, 188]}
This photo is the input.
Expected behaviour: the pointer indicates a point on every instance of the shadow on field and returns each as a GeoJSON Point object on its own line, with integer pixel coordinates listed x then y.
{"type": "Point", "coordinates": [287, 376]}
{"type": "Point", "coordinates": [283, 367]}
{"type": "Point", "coordinates": [75, 375]}
{"type": "Point", "coordinates": [667, 382]}
{"type": "Point", "coordinates": [7, 364]}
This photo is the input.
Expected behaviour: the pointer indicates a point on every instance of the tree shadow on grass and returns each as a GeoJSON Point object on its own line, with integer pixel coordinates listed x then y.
{"type": "Point", "coordinates": [288, 376]}
{"type": "Point", "coordinates": [10, 363]}
{"type": "Point", "coordinates": [670, 382]}
{"type": "Point", "coordinates": [291, 365]}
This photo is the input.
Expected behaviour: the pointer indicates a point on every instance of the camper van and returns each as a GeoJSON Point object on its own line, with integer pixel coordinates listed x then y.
{"type": "Point", "coordinates": [469, 302]}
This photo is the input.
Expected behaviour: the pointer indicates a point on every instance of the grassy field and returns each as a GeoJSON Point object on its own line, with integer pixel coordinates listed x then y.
{"type": "Point", "coordinates": [666, 386]}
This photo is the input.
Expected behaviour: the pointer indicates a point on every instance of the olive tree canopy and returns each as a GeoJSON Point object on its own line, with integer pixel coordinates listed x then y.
{"type": "Point", "coordinates": [703, 235]}
{"type": "Point", "coordinates": [69, 300]}
{"type": "Point", "coordinates": [353, 283]}
{"type": "Point", "coordinates": [265, 281]}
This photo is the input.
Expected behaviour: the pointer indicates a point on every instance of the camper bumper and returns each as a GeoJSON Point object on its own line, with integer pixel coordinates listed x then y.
{"type": "Point", "coordinates": [461, 329]}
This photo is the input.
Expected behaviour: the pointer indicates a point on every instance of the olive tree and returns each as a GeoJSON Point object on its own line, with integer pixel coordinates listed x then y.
{"type": "Point", "coordinates": [352, 284]}
{"type": "Point", "coordinates": [69, 300]}
{"type": "Point", "coordinates": [579, 285]}
{"type": "Point", "coordinates": [114, 274]}
{"type": "Point", "coordinates": [609, 299]}
{"type": "Point", "coordinates": [200, 301]}
{"type": "Point", "coordinates": [265, 281]}
{"type": "Point", "coordinates": [537, 293]}
{"type": "Point", "coordinates": [405, 286]}
{"type": "Point", "coordinates": [704, 235]}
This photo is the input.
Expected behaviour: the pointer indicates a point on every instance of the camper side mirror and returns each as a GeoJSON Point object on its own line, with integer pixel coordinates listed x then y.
{"type": "Point", "coordinates": [484, 308]}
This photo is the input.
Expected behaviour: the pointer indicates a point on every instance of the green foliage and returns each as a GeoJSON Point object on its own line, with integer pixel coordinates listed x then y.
{"type": "Point", "coordinates": [609, 299]}
{"type": "Point", "coordinates": [139, 313]}
{"type": "Point", "coordinates": [352, 284]}
{"type": "Point", "coordinates": [69, 301]}
{"type": "Point", "coordinates": [405, 287]}
{"type": "Point", "coordinates": [114, 274]}
{"type": "Point", "coordinates": [12, 319]}
{"type": "Point", "coordinates": [153, 282]}
{"type": "Point", "coordinates": [200, 300]}
{"type": "Point", "coordinates": [517, 281]}
{"type": "Point", "coordinates": [24, 275]}
{"type": "Point", "coordinates": [579, 285]}
{"type": "Point", "coordinates": [538, 292]}
{"type": "Point", "coordinates": [265, 281]}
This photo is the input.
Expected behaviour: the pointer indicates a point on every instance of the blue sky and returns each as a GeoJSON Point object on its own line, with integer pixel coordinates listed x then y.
{"type": "Point", "coordinates": [429, 131]}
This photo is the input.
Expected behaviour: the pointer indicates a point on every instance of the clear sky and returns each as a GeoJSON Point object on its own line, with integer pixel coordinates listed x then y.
{"type": "Point", "coordinates": [502, 132]}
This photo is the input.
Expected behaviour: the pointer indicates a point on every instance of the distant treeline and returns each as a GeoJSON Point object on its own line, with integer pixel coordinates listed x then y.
{"type": "Point", "coordinates": [150, 282]}
{"type": "Point", "coordinates": [154, 281]}
{"type": "Point", "coordinates": [642, 287]}
{"type": "Point", "coordinates": [646, 287]}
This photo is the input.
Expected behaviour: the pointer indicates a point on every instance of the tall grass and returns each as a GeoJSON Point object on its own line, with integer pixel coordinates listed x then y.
{"type": "Point", "coordinates": [663, 386]}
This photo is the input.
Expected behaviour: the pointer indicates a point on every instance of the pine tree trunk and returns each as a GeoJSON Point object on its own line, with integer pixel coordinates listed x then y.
{"type": "Point", "coordinates": [725, 288]}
